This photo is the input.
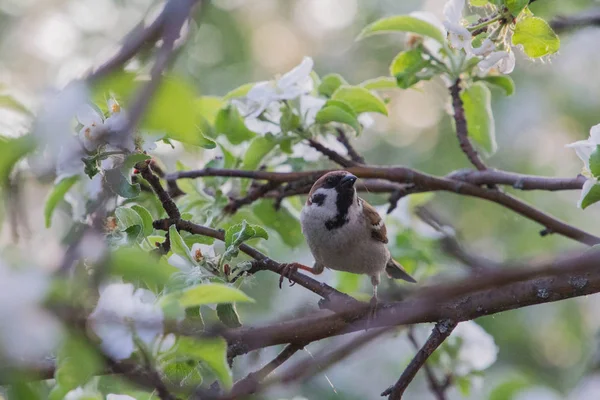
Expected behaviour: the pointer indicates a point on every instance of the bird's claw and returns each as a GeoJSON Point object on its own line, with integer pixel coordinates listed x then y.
{"type": "Point", "coordinates": [372, 311]}
{"type": "Point", "coordinates": [286, 272]}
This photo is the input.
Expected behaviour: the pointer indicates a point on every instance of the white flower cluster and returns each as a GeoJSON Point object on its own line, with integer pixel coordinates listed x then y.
{"type": "Point", "coordinates": [261, 107]}
{"type": "Point", "coordinates": [461, 38]}
{"type": "Point", "coordinates": [125, 315]}
{"type": "Point", "coordinates": [584, 149]}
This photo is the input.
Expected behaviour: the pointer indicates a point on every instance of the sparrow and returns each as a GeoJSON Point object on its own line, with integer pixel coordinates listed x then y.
{"type": "Point", "coordinates": [345, 233]}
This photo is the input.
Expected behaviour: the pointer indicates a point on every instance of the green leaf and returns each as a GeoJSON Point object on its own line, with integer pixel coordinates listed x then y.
{"type": "Point", "coordinates": [134, 264]}
{"type": "Point", "coordinates": [335, 114]}
{"type": "Point", "coordinates": [211, 293]}
{"type": "Point", "coordinates": [340, 104]}
{"type": "Point", "coordinates": [239, 91]}
{"type": "Point", "coordinates": [536, 36]}
{"type": "Point", "coordinates": [503, 82]}
{"type": "Point", "coordinates": [405, 60]}
{"type": "Point", "coordinates": [120, 185]}
{"type": "Point", "coordinates": [289, 121]}
{"type": "Point", "coordinates": [593, 196]}
{"type": "Point", "coordinates": [172, 110]}
{"type": "Point", "coordinates": [464, 385]}
{"type": "Point", "coordinates": [127, 217]}
{"type": "Point", "coordinates": [478, 113]}
{"type": "Point", "coordinates": [259, 148]}
{"type": "Point", "coordinates": [146, 219]}
{"type": "Point", "coordinates": [516, 6]}
{"type": "Point", "coordinates": [178, 246]}
{"type": "Point", "coordinates": [133, 159]}
{"type": "Point", "coordinates": [182, 373]}
{"type": "Point", "coordinates": [479, 3]}
{"type": "Point", "coordinates": [595, 162]}
{"type": "Point", "coordinates": [330, 83]}
{"type": "Point", "coordinates": [228, 315]}
{"type": "Point", "coordinates": [406, 66]}
{"type": "Point", "coordinates": [213, 352]}
{"type": "Point", "coordinates": [282, 221]}
{"type": "Point", "coordinates": [360, 99]}
{"type": "Point", "coordinates": [403, 23]}
{"type": "Point", "coordinates": [230, 123]}
{"type": "Point", "coordinates": [11, 151]}
{"type": "Point", "coordinates": [10, 103]}
{"type": "Point", "coordinates": [239, 233]}
{"type": "Point", "coordinates": [56, 195]}
{"type": "Point", "coordinates": [381, 83]}
{"type": "Point", "coordinates": [208, 107]}
{"type": "Point", "coordinates": [77, 362]}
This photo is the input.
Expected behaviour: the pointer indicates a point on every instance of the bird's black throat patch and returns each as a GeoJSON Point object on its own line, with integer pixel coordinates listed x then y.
{"type": "Point", "coordinates": [345, 197]}
{"type": "Point", "coordinates": [318, 199]}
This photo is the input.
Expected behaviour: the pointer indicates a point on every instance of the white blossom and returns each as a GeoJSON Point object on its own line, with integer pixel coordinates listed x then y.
{"type": "Point", "coordinates": [28, 333]}
{"type": "Point", "coordinates": [459, 36]}
{"type": "Point", "coordinates": [198, 252]}
{"type": "Point", "coordinates": [432, 45]}
{"type": "Point", "coordinates": [260, 107]}
{"type": "Point", "coordinates": [477, 351]}
{"type": "Point", "coordinates": [309, 107]}
{"type": "Point", "coordinates": [584, 150]}
{"type": "Point", "coordinates": [122, 312]}
{"type": "Point", "coordinates": [486, 48]}
{"type": "Point", "coordinates": [504, 61]}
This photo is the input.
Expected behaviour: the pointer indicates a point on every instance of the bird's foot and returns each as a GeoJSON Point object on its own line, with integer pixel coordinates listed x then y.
{"type": "Point", "coordinates": [287, 271]}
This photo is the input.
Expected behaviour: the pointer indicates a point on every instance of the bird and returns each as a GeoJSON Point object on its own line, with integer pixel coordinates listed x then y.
{"type": "Point", "coordinates": [345, 233]}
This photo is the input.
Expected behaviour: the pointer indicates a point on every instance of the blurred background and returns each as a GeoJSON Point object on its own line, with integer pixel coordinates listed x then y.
{"type": "Point", "coordinates": [546, 352]}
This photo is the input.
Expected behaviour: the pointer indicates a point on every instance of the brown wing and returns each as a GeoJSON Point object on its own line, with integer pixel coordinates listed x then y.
{"type": "Point", "coordinates": [378, 230]}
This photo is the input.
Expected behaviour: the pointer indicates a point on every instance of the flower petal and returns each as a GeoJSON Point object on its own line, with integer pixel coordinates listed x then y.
{"type": "Point", "coordinates": [485, 49]}
{"type": "Point", "coordinates": [595, 135]}
{"type": "Point", "coordinates": [583, 149]}
{"type": "Point", "coordinates": [179, 262]}
{"type": "Point", "coordinates": [297, 75]}
{"type": "Point", "coordinates": [453, 10]}
{"type": "Point", "coordinates": [88, 116]}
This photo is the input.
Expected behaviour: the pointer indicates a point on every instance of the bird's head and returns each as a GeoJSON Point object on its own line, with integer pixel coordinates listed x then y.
{"type": "Point", "coordinates": [333, 194]}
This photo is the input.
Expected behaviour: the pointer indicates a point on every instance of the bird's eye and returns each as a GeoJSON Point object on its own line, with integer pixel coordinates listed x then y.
{"type": "Point", "coordinates": [331, 180]}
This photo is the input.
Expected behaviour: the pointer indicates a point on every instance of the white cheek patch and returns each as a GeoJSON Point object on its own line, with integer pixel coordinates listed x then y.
{"type": "Point", "coordinates": [327, 207]}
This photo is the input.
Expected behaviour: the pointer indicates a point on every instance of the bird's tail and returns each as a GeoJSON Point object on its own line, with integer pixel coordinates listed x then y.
{"type": "Point", "coordinates": [397, 271]}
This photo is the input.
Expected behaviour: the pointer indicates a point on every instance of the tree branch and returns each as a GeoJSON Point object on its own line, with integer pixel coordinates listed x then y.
{"type": "Point", "coordinates": [440, 332]}
{"type": "Point", "coordinates": [426, 182]}
{"type": "Point", "coordinates": [250, 383]}
{"type": "Point", "coordinates": [462, 131]}
{"type": "Point", "coordinates": [332, 155]}
{"type": "Point", "coordinates": [514, 286]}
{"type": "Point", "coordinates": [343, 139]}
{"type": "Point", "coordinates": [561, 24]}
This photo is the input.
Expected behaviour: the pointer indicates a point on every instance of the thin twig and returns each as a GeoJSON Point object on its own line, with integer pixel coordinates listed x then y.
{"type": "Point", "coordinates": [250, 383]}
{"type": "Point", "coordinates": [462, 131]}
{"type": "Point", "coordinates": [331, 154]}
{"type": "Point", "coordinates": [440, 332]}
{"type": "Point", "coordinates": [343, 139]}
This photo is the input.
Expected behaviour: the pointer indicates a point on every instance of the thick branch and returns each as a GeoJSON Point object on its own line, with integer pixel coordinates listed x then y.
{"type": "Point", "coordinates": [440, 332]}
{"type": "Point", "coordinates": [515, 286]}
{"type": "Point", "coordinates": [462, 131]}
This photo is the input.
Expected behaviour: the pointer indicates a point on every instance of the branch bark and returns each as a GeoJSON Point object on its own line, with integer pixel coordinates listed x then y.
{"type": "Point", "coordinates": [440, 332]}
{"type": "Point", "coordinates": [462, 132]}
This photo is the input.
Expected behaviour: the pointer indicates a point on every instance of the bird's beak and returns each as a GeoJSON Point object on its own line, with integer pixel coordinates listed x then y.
{"type": "Point", "coordinates": [348, 181]}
